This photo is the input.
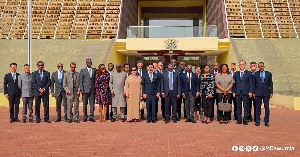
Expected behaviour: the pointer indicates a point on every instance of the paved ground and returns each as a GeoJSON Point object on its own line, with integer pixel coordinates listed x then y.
{"type": "Point", "coordinates": [141, 139]}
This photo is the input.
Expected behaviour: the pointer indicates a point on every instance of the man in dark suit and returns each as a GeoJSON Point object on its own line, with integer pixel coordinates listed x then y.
{"type": "Point", "coordinates": [263, 89]}
{"type": "Point", "coordinates": [156, 70]}
{"type": "Point", "coordinates": [87, 89]}
{"type": "Point", "coordinates": [141, 72]}
{"type": "Point", "coordinates": [151, 91]}
{"type": "Point", "coordinates": [41, 82]}
{"type": "Point", "coordinates": [127, 71]}
{"type": "Point", "coordinates": [58, 91]}
{"type": "Point", "coordinates": [12, 92]}
{"type": "Point", "coordinates": [182, 71]}
{"type": "Point", "coordinates": [253, 66]}
{"type": "Point", "coordinates": [215, 71]}
{"type": "Point", "coordinates": [170, 90]}
{"type": "Point", "coordinates": [190, 91]}
{"type": "Point", "coordinates": [242, 90]}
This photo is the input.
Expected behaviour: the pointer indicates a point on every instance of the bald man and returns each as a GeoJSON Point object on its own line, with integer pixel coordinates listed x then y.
{"type": "Point", "coordinates": [57, 91]}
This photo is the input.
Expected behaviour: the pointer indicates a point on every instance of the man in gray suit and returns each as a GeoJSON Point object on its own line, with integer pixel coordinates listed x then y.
{"type": "Point", "coordinates": [71, 86]}
{"type": "Point", "coordinates": [171, 91]}
{"type": "Point", "coordinates": [87, 89]}
{"type": "Point", "coordinates": [24, 83]}
{"type": "Point", "coordinates": [58, 91]}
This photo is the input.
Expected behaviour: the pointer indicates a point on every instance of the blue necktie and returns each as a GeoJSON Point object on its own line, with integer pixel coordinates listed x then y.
{"type": "Point", "coordinates": [242, 74]}
{"type": "Point", "coordinates": [41, 75]}
{"type": "Point", "coordinates": [60, 77]}
{"type": "Point", "coordinates": [171, 81]}
{"type": "Point", "coordinates": [262, 77]}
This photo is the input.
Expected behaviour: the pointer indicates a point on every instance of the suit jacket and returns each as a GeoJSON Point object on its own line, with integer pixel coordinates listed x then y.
{"type": "Point", "coordinates": [195, 87]}
{"type": "Point", "coordinates": [144, 72]}
{"type": "Point", "coordinates": [176, 84]}
{"type": "Point", "coordinates": [11, 85]}
{"type": "Point", "coordinates": [245, 86]}
{"type": "Point", "coordinates": [71, 85]}
{"type": "Point", "coordinates": [55, 82]}
{"type": "Point", "coordinates": [148, 87]}
{"type": "Point", "coordinates": [213, 72]}
{"type": "Point", "coordinates": [263, 88]}
{"type": "Point", "coordinates": [24, 83]}
{"type": "Point", "coordinates": [87, 84]}
{"type": "Point", "coordinates": [38, 83]}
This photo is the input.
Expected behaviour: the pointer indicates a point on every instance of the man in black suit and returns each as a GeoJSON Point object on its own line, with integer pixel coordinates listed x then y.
{"type": "Point", "coordinates": [190, 91]}
{"type": "Point", "coordinates": [58, 91]}
{"type": "Point", "coordinates": [12, 92]}
{"type": "Point", "coordinates": [242, 90]}
{"type": "Point", "coordinates": [141, 72]}
{"type": "Point", "coordinates": [41, 82]}
{"type": "Point", "coordinates": [253, 66]}
{"type": "Point", "coordinates": [263, 89]}
{"type": "Point", "coordinates": [215, 71]}
{"type": "Point", "coordinates": [151, 91]}
{"type": "Point", "coordinates": [170, 90]}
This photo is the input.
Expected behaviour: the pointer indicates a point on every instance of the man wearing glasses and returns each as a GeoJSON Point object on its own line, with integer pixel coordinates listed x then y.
{"type": "Point", "coordinates": [41, 82]}
{"type": "Point", "coordinates": [87, 89]}
{"type": "Point", "coordinates": [71, 86]}
{"type": "Point", "coordinates": [58, 91]}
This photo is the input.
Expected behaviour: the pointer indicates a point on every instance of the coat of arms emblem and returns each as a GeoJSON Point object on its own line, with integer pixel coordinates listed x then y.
{"type": "Point", "coordinates": [171, 44]}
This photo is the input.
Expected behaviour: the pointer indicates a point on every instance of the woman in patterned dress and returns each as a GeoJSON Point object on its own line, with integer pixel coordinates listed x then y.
{"type": "Point", "coordinates": [103, 94]}
{"type": "Point", "coordinates": [207, 91]}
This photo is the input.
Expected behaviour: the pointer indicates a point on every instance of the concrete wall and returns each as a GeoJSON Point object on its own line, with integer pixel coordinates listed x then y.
{"type": "Point", "coordinates": [228, 57]}
{"type": "Point", "coordinates": [129, 17]}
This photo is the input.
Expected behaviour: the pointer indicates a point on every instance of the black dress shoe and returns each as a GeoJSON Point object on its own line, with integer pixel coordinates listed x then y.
{"type": "Point", "coordinates": [37, 121]}
{"type": "Point", "coordinates": [194, 121]}
{"type": "Point", "coordinates": [148, 121]}
{"type": "Point", "coordinates": [24, 121]}
{"type": "Point", "coordinates": [12, 120]}
{"type": "Point", "coordinates": [48, 121]}
{"type": "Point", "coordinates": [154, 121]}
{"type": "Point", "coordinates": [267, 124]}
{"type": "Point", "coordinates": [77, 121]}
{"type": "Point", "coordinates": [69, 121]}
{"type": "Point", "coordinates": [166, 121]}
{"type": "Point", "coordinates": [239, 122]}
{"type": "Point", "coordinates": [257, 124]}
{"type": "Point", "coordinates": [174, 121]}
{"type": "Point", "coordinates": [188, 121]}
{"type": "Point", "coordinates": [31, 120]}
{"type": "Point", "coordinates": [57, 120]}
{"type": "Point", "coordinates": [113, 120]}
{"type": "Point", "coordinates": [17, 120]}
{"type": "Point", "coordinates": [92, 120]}
{"type": "Point", "coordinates": [250, 120]}
{"type": "Point", "coordinates": [245, 123]}
{"type": "Point", "coordinates": [84, 120]}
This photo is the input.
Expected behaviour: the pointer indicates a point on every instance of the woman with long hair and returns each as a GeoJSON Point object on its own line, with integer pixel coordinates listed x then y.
{"type": "Point", "coordinates": [207, 86]}
{"type": "Point", "coordinates": [224, 83]}
{"type": "Point", "coordinates": [103, 94]}
{"type": "Point", "coordinates": [133, 94]}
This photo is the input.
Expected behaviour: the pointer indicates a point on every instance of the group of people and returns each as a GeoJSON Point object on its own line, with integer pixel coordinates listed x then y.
{"type": "Point", "coordinates": [131, 87]}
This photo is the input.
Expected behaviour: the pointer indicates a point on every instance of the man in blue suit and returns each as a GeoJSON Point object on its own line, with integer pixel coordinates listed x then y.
{"type": "Point", "coordinates": [242, 90]}
{"type": "Point", "coordinates": [151, 90]}
{"type": "Point", "coordinates": [41, 82]}
{"type": "Point", "coordinates": [171, 91]}
{"type": "Point", "coordinates": [263, 91]}
{"type": "Point", "coordinates": [190, 91]}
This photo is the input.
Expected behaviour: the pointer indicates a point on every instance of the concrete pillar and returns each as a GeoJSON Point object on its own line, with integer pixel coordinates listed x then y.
{"type": "Point", "coordinates": [196, 30]}
{"type": "Point", "coordinates": [146, 29]}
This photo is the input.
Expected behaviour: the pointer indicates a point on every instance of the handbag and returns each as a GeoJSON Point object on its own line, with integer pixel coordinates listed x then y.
{"type": "Point", "coordinates": [142, 104]}
{"type": "Point", "coordinates": [225, 107]}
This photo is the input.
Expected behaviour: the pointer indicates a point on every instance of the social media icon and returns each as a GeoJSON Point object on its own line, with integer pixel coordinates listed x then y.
{"type": "Point", "coordinates": [241, 148]}
{"type": "Point", "coordinates": [234, 148]}
{"type": "Point", "coordinates": [248, 148]}
{"type": "Point", "coordinates": [255, 148]}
